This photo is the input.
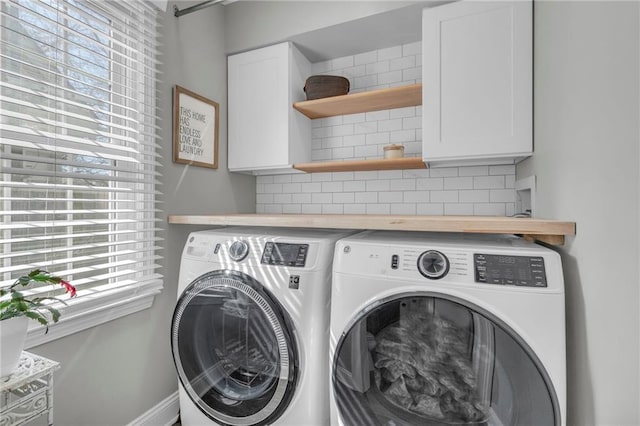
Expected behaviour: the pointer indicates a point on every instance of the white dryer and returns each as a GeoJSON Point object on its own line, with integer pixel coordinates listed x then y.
{"type": "Point", "coordinates": [250, 329]}
{"type": "Point", "coordinates": [447, 329]}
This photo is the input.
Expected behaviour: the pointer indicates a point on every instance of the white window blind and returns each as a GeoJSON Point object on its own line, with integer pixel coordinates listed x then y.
{"type": "Point", "coordinates": [78, 152]}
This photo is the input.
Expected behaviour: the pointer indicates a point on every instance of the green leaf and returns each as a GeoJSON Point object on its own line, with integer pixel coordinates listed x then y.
{"type": "Point", "coordinates": [37, 316]}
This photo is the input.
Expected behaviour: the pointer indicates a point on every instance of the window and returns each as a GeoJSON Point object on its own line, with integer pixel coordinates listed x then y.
{"type": "Point", "coordinates": [78, 153]}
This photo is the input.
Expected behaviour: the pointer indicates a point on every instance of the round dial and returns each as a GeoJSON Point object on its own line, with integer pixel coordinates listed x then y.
{"type": "Point", "coordinates": [433, 264]}
{"type": "Point", "coordinates": [238, 250]}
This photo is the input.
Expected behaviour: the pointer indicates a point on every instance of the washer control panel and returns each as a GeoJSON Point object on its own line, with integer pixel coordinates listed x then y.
{"type": "Point", "coordinates": [523, 271]}
{"type": "Point", "coordinates": [285, 254]}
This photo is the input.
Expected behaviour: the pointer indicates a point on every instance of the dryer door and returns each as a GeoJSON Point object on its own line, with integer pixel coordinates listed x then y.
{"type": "Point", "coordinates": [234, 350]}
{"type": "Point", "coordinates": [431, 359]}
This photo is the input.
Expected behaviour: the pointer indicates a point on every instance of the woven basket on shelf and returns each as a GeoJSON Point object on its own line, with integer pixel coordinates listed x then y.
{"type": "Point", "coordinates": [324, 86]}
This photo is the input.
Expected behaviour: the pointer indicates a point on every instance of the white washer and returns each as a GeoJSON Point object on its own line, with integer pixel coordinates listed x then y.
{"type": "Point", "coordinates": [446, 329]}
{"type": "Point", "coordinates": [250, 330]}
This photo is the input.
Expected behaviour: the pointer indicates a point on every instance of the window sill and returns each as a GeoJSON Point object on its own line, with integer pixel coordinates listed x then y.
{"type": "Point", "coordinates": [88, 312]}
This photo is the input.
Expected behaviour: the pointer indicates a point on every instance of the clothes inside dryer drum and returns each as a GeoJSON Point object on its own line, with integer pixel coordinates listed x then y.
{"type": "Point", "coordinates": [428, 360]}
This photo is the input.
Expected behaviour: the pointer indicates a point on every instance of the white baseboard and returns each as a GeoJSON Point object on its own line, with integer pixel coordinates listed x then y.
{"type": "Point", "coordinates": [165, 413]}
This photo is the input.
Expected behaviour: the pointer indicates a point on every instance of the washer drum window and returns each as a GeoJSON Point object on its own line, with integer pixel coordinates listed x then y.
{"type": "Point", "coordinates": [422, 359]}
{"type": "Point", "coordinates": [233, 348]}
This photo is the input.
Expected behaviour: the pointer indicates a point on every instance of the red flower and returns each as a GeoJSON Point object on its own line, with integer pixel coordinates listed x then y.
{"type": "Point", "coordinates": [68, 287]}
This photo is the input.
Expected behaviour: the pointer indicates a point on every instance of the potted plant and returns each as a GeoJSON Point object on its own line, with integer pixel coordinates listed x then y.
{"type": "Point", "coordinates": [16, 309]}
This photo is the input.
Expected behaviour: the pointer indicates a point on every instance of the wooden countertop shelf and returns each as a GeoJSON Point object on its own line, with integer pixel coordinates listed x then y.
{"type": "Point", "coordinates": [362, 165]}
{"type": "Point", "coordinates": [548, 231]}
{"type": "Point", "coordinates": [374, 100]}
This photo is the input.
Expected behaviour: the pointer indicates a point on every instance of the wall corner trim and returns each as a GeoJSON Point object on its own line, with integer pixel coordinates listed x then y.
{"type": "Point", "coordinates": [165, 413]}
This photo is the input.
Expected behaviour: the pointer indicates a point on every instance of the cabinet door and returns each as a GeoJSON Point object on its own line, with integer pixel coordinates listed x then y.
{"type": "Point", "coordinates": [477, 82]}
{"type": "Point", "coordinates": [259, 108]}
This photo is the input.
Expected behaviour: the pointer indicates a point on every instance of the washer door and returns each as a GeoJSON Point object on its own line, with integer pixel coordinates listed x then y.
{"type": "Point", "coordinates": [233, 348]}
{"type": "Point", "coordinates": [430, 359]}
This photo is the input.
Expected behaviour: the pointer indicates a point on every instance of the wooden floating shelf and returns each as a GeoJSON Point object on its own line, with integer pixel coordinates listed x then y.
{"type": "Point", "coordinates": [374, 100]}
{"type": "Point", "coordinates": [548, 231]}
{"type": "Point", "coordinates": [362, 165]}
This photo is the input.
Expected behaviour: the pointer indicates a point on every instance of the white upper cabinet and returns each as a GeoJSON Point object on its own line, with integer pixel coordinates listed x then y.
{"type": "Point", "coordinates": [266, 135]}
{"type": "Point", "coordinates": [477, 83]}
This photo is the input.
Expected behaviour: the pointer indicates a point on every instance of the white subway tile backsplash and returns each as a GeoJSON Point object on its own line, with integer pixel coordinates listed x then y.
{"type": "Point", "coordinates": [332, 186]}
{"type": "Point", "coordinates": [502, 196]}
{"type": "Point", "coordinates": [488, 182]}
{"type": "Point", "coordinates": [390, 77]}
{"type": "Point", "coordinates": [377, 67]}
{"type": "Point", "coordinates": [416, 196]}
{"type": "Point", "coordinates": [343, 130]}
{"type": "Point", "coordinates": [332, 209]}
{"type": "Point", "coordinates": [344, 62]}
{"type": "Point", "coordinates": [365, 128]}
{"type": "Point", "coordinates": [271, 188]}
{"type": "Point", "coordinates": [390, 197]}
{"type": "Point", "coordinates": [414, 48]}
{"type": "Point", "coordinates": [412, 122]}
{"type": "Point", "coordinates": [321, 198]}
{"type": "Point", "coordinates": [356, 185]}
{"type": "Point", "coordinates": [458, 183]}
{"type": "Point", "coordinates": [366, 197]}
{"type": "Point", "coordinates": [458, 209]}
{"type": "Point", "coordinates": [430, 184]}
{"type": "Point", "coordinates": [406, 62]}
{"type": "Point", "coordinates": [340, 153]}
{"type": "Point", "coordinates": [489, 209]}
{"type": "Point", "coordinates": [503, 170]}
{"type": "Point", "coordinates": [378, 209]}
{"type": "Point", "coordinates": [390, 174]}
{"type": "Point", "coordinates": [409, 209]}
{"type": "Point", "coordinates": [264, 198]}
{"type": "Point", "coordinates": [473, 171]}
{"type": "Point", "coordinates": [379, 138]}
{"type": "Point", "coordinates": [291, 188]}
{"type": "Point", "coordinates": [366, 151]}
{"type": "Point", "coordinates": [353, 140]}
{"type": "Point", "coordinates": [321, 177]}
{"type": "Point", "coordinates": [301, 177]}
{"type": "Point", "coordinates": [403, 185]}
{"type": "Point", "coordinates": [366, 58]}
{"type": "Point", "coordinates": [273, 208]}
{"type": "Point", "coordinates": [312, 187]}
{"type": "Point", "coordinates": [377, 115]}
{"type": "Point", "coordinates": [444, 196]}
{"type": "Point", "coordinates": [312, 208]}
{"type": "Point", "coordinates": [474, 196]}
{"type": "Point", "coordinates": [282, 198]}
{"type": "Point", "coordinates": [344, 198]}
{"type": "Point", "coordinates": [364, 81]}
{"type": "Point", "coordinates": [430, 209]}
{"type": "Point", "coordinates": [444, 172]}
{"type": "Point", "coordinates": [390, 53]}
{"type": "Point", "coordinates": [301, 198]}
{"type": "Point", "coordinates": [412, 74]}
{"type": "Point", "coordinates": [472, 190]}
{"type": "Point", "coordinates": [332, 142]}
{"type": "Point", "coordinates": [354, 118]}
{"type": "Point", "coordinates": [292, 208]}
{"type": "Point", "coordinates": [355, 209]}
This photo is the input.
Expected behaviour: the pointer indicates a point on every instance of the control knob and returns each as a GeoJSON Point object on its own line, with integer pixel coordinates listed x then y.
{"type": "Point", "coordinates": [433, 265]}
{"type": "Point", "coordinates": [238, 250]}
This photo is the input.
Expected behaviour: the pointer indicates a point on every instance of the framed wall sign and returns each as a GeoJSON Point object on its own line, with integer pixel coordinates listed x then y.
{"type": "Point", "coordinates": [195, 129]}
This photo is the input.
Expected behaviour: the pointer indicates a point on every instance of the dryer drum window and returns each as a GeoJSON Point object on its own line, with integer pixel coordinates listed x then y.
{"type": "Point", "coordinates": [234, 350]}
{"type": "Point", "coordinates": [419, 359]}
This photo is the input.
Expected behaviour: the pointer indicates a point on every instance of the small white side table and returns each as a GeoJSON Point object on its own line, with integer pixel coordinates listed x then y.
{"type": "Point", "coordinates": [28, 392]}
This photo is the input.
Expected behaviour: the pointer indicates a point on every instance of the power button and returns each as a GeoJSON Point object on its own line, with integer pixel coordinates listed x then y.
{"type": "Point", "coordinates": [394, 261]}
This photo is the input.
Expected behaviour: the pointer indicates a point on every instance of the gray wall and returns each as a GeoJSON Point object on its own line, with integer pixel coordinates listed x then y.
{"type": "Point", "coordinates": [113, 373]}
{"type": "Point", "coordinates": [586, 161]}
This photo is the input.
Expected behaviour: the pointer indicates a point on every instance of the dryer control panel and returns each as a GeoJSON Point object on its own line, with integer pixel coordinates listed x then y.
{"type": "Point", "coordinates": [524, 271]}
{"type": "Point", "coordinates": [285, 254]}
